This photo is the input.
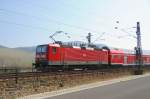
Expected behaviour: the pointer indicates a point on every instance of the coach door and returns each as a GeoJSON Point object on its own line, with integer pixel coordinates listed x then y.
{"type": "Point", "coordinates": [55, 55]}
{"type": "Point", "coordinates": [125, 59]}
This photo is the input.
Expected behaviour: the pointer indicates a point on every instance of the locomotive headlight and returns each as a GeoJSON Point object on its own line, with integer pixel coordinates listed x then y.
{"type": "Point", "coordinates": [43, 56]}
{"type": "Point", "coordinates": [37, 56]}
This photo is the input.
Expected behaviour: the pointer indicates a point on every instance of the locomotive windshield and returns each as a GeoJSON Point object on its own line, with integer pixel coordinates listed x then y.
{"type": "Point", "coordinates": [42, 48]}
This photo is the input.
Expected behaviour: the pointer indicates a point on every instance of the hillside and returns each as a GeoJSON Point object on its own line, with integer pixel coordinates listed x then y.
{"type": "Point", "coordinates": [11, 57]}
{"type": "Point", "coordinates": [1, 46]}
{"type": "Point", "coordinates": [27, 49]}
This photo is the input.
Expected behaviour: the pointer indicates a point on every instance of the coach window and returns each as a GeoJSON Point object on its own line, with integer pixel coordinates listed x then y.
{"type": "Point", "coordinates": [54, 50]}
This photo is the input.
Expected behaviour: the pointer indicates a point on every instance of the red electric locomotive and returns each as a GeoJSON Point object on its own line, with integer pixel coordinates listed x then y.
{"type": "Point", "coordinates": [63, 56]}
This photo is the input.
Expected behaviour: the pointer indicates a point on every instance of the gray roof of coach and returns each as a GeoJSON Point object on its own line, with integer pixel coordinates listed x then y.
{"type": "Point", "coordinates": [145, 52]}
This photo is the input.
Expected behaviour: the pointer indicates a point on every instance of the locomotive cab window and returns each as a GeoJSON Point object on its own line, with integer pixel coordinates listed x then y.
{"type": "Point", "coordinates": [42, 48]}
{"type": "Point", "coordinates": [38, 49]}
{"type": "Point", "coordinates": [54, 50]}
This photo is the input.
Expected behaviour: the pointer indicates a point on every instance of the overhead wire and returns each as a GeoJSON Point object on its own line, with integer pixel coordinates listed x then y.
{"type": "Point", "coordinates": [25, 25]}
{"type": "Point", "coordinates": [75, 9]}
{"type": "Point", "coordinates": [49, 20]}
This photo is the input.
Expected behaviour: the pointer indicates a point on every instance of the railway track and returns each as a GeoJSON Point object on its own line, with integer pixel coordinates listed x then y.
{"type": "Point", "coordinates": [17, 75]}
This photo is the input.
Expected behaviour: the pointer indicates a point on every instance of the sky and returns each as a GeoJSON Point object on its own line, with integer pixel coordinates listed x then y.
{"type": "Point", "coordinates": [30, 22]}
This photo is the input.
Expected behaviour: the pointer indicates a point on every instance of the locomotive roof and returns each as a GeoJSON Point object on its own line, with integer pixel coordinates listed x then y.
{"type": "Point", "coordinates": [77, 44]}
{"type": "Point", "coordinates": [55, 45]}
{"type": "Point", "coordinates": [77, 47]}
{"type": "Point", "coordinates": [116, 51]}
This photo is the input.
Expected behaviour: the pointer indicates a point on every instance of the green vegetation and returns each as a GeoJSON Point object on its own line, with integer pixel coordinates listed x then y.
{"type": "Point", "coordinates": [10, 57]}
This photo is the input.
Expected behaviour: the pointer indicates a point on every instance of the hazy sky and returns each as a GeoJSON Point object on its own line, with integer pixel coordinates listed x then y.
{"type": "Point", "coordinates": [31, 22]}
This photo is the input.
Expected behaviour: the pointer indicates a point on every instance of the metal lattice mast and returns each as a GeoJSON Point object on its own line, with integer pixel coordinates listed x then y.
{"type": "Point", "coordinates": [89, 38]}
{"type": "Point", "coordinates": [139, 58]}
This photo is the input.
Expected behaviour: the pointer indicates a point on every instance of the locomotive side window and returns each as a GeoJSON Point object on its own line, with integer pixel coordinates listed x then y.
{"type": "Point", "coordinates": [53, 50]}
